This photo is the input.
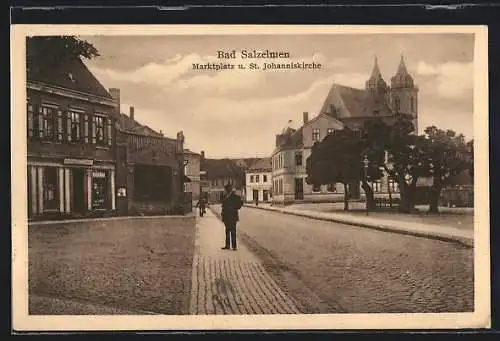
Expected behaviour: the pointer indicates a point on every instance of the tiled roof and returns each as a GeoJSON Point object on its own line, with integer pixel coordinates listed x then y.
{"type": "Point", "coordinates": [291, 139]}
{"type": "Point", "coordinates": [132, 126]}
{"type": "Point", "coordinates": [222, 168]}
{"type": "Point", "coordinates": [261, 164]}
{"type": "Point", "coordinates": [351, 102]}
{"type": "Point", "coordinates": [70, 74]}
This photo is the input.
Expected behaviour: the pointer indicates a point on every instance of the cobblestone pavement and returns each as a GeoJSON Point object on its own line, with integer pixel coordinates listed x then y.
{"type": "Point", "coordinates": [231, 282]}
{"type": "Point", "coordinates": [359, 270]}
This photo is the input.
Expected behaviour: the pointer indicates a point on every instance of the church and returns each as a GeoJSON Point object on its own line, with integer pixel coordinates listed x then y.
{"type": "Point", "coordinates": [344, 106]}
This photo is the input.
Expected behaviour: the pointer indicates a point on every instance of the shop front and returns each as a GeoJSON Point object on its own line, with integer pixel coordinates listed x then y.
{"type": "Point", "coordinates": [70, 188]}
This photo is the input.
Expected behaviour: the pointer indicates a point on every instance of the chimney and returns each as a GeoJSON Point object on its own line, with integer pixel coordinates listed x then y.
{"type": "Point", "coordinates": [202, 155]}
{"type": "Point", "coordinates": [115, 93]}
{"type": "Point", "coordinates": [132, 113]}
{"type": "Point", "coordinates": [306, 117]}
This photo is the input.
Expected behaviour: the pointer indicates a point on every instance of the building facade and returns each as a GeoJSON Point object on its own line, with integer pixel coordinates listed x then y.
{"type": "Point", "coordinates": [150, 169]}
{"type": "Point", "coordinates": [70, 141]}
{"type": "Point", "coordinates": [258, 181]}
{"type": "Point", "coordinates": [192, 171]}
{"type": "Point", "coordinates": [343, 107]}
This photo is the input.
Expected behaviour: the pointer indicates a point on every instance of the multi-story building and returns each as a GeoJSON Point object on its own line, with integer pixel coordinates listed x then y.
{"type": "Point", "coordinates": [70, 140]}
{"type": "Point", "coordinates": [192, 171]}
{"type": "Point", "coordinates": [258, 181]}
{"type": "Point", "coordinates": [343, 107]}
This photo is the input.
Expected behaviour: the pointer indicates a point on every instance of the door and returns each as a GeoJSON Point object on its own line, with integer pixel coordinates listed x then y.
{"type": "Point", "coordinates": [299, 189]}
{"type": "Point", "coordinates": [255, 195]}
{"type": "Point", "coordinates": [265, 195]}
{"type": "Point", "coordinates": [78, 186]}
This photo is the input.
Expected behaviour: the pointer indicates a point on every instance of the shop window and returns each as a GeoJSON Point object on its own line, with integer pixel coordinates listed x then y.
{"type": "Point", "coordinates": [50, 186]}
{"type": "Point", "coordinates": [100, 189]}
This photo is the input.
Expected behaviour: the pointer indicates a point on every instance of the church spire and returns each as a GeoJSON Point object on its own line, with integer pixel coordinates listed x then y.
{"type": "Point", "coordinates": [402, 70]}
{"type": "Point", "coordinates": [376, 82]}
{"type": "Point", "coordinates": [402, 79]}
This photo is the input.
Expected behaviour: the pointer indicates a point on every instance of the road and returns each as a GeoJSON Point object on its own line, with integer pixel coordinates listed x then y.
{"type": "Point", "coordinates": [334, 268]}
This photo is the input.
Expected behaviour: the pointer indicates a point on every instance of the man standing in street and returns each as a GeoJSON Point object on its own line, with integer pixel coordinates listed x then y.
{"type": "Point", "coordinates": [231, 203]}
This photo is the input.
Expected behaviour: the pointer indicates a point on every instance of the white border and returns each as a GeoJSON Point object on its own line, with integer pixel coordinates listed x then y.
{"type": "Point", "coordinates": [480, 318]}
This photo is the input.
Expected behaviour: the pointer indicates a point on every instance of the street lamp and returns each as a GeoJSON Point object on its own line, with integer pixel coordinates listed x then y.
{"type": "Point", "coordinates": [365, 163]}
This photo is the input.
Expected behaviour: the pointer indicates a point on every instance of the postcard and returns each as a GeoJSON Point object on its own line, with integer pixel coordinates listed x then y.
{"type": "Point", "coordinates": [256, 177]}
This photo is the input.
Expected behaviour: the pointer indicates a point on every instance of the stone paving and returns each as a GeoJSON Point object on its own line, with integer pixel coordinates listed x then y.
{"type": "Point", "coordinates": [227, 282]}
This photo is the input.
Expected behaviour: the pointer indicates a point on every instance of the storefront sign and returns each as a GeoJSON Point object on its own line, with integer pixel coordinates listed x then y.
{"type": "Point", "coordinates": [79, 162]}
{"type": "Point", "coordinates": [100, 175]}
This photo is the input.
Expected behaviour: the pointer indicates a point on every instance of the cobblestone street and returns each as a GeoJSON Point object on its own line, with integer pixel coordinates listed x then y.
{"type": "Point", "coordinates": [231, 282]}
{"type": "Point", "coordinates": [340, 268]}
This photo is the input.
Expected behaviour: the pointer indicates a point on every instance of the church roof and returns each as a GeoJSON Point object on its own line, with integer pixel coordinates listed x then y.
{"type": "Point", "coordinates": [353, 103]}
{"type": "Point", "coordinates": [69, 73]}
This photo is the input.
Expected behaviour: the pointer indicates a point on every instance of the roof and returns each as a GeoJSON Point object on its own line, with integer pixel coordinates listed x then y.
{"type": "Point", "coordinates": [261, 164]}
{"type": "Point", "coordinates": [187, 151]}
{"type": "Point", "coordinates": [350, 102]}
{"type": "Point", "coordinates": [70, 74]}
{"type": "Point", "coordinates": [130, 125]}
{"type": "Point", "coordinates": [290, 139]}
{"type": "Point", "coordinates": [222, 168]}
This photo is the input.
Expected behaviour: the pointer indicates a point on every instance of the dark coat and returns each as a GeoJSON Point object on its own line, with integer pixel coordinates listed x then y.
{"type": "Point", "coordinates": [230, 205]}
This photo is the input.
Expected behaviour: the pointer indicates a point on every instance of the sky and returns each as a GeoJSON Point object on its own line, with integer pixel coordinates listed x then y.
{"type": "Point", "coordinates": [237, 113]}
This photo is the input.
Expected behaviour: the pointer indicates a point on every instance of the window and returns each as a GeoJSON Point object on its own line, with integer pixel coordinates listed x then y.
{"type": "Point", "coordinates": [74, 126]}
{"type": "Point", "coordinates": [101, 130]}
{"type": "Point", "coordinates": [251, 178]}
{"type": "Point", "coordinates": [397, 103]}
{"type": "Point", "coordinates": [331, 188]}
{"type": "Point", "coordinates": [393, 186]}
{"type": "Point", "coordinates": [264, 178]}
{"type": "Point", "coordinates": [329, 131]}
{"type": "Point", "coordinates": [412, 104]}
{"type": "Point", "coordinates": [257, 178]}
{"type": "Point", "coordinates": [376, 186]}
{"type": "Point", "coordinates": [316, 188]}
{"type": "Point", "coordinates": [47, 122]}
{"type": "Point", "coordinates": [298, 158]}
{"type": "Point", "coordinates": [31, 119]}
{"type": "Point", "coordinates": [50, 194]}
{"type": "Point", "coordinates": [99, 189]}
{"type": "Point", "coordinates": [316, 135]}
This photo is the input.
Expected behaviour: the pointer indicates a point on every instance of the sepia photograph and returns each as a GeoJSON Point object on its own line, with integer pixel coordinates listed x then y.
{"type": "Point", "coordinates": [251, 177]}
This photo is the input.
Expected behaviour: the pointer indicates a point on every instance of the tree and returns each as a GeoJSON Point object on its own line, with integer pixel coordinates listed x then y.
{"type": "Point", "coordinates": [445, 155]}
{"type": "Point", "coordinates": [470, 146]}
{"type": "Point", "coordinates": [339, 159]}
{"type": "Point", "coordinates": [397, 141]}
{"type": "Point", "coordinates": [59, 48]}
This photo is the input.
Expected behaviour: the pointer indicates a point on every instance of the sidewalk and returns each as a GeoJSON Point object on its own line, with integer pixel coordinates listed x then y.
{"type": "Point", "coordinates": [441, 232]}
{"type": "Point", "coordinates": [231, 282]}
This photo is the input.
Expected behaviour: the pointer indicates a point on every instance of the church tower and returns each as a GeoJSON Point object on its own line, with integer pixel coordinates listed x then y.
{"type": "Point", "coordinates": [404, 93]}
{"type": "Point", "coordinates": [376, 83]}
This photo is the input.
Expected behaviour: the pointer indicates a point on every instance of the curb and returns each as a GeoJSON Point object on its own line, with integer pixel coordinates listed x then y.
{"type": "Point", "coordinates": [467, 242]}
{"type": "Point", "coordinates": [85, 220]}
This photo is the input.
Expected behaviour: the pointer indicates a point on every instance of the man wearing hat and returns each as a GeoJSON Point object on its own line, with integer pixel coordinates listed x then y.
{"type": "Point", "coordinates": [231, 203]}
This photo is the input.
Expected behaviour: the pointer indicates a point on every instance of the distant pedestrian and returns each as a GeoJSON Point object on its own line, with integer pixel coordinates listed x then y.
{"type": "Point", "coordinates": [231, 203]}
{"type": "Point", "coordinates": [202, 206]}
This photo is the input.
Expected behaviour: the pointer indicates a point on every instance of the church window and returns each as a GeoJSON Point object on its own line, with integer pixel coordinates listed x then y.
{"type": "Point", "coordinates": [397, 103]}
{"type": "Point", "coordinates": [412, 104]}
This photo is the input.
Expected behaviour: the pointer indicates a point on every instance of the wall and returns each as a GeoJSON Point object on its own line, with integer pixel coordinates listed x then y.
{"type": "Point", "coordinates": [322, 122]}
{"type": "Point", "coordinates": [260, 186]}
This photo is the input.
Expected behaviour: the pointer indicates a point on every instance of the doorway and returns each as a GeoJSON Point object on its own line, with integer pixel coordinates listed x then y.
{"type": "Point", "coordinates": [299, 189]}
{"type": "Point", "coordinates": [78, 186]}
{"type": "Point", "coordinates": [255, 195]}
{"type": "Point", "coordinates": [265, 195]}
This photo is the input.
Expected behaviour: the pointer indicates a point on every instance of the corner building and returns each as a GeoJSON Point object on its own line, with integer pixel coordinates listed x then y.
{"type": "Point", "coordinates": [70, 141]}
